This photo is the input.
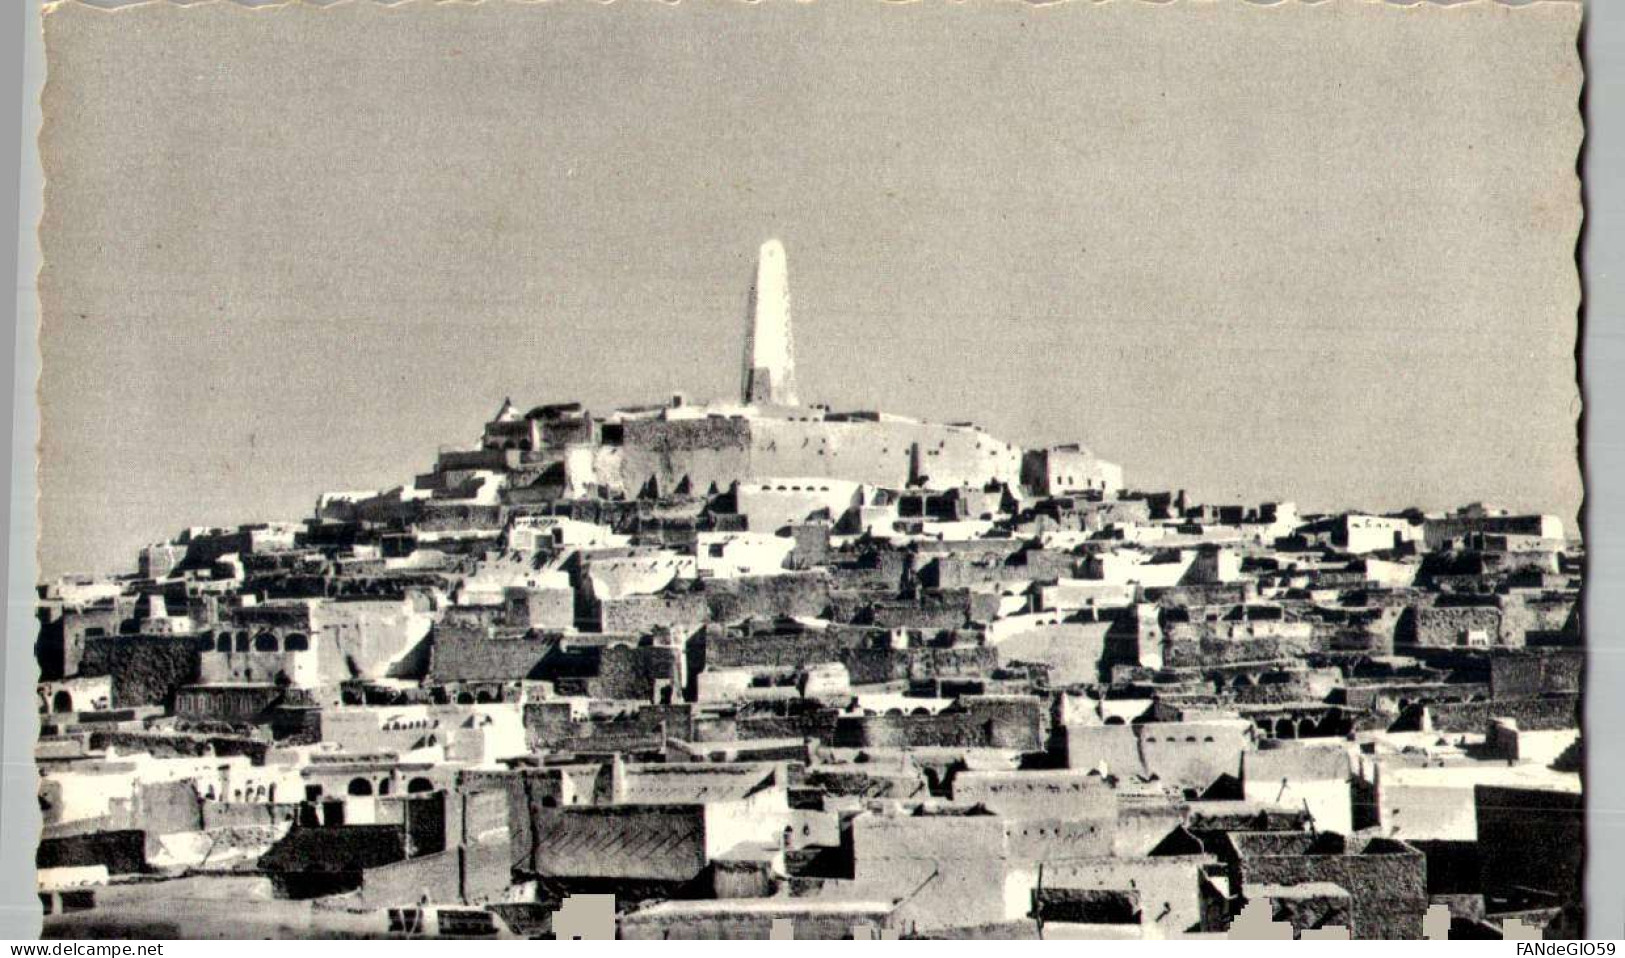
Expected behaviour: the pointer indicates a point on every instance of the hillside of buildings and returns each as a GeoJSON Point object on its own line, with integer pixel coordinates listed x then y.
{"type": "Point", "coordinates": [756, 665]}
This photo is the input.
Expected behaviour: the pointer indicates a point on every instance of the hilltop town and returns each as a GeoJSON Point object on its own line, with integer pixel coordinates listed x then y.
{"type": "Point", "coordinates": [760, 667]}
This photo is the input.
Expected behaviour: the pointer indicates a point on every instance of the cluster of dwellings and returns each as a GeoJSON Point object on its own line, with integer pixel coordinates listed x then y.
{"type": "Point", "coordinates": [759, 667]}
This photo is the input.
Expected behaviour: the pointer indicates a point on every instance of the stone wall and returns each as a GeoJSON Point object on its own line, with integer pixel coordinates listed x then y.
{"type": "Point", "coordinates": [462, 656]}
{"type": "Point", "coordinates": [1513, 676]}
{"type": "Point", "coordinates": [1532, 714]}
{"type": "Point", "coordinates": [1184, 653]}
{"type": "Point", "coordinates": [729, 601]}
{"type": "Point", "coordinates": [871, 666]}
{"type": "Point", "coordinates": [1526, 618]}
{"type": "Point", "coordinates": [681, 612]}
{"type": "Point", "coordinates": [1446, 626]}
{"type": "Point", "coordinates": [937, 609]}
{"type": "Point", "coordinates": [1388, 888]}
{"type": "Point", "coordinates": [780, 652]}
{"type": "Point", "coordinates": [146, 669]}
{"type": "Point", "coordinates": [795, 719]}
{"type": "Point", "coordinates": [636, 672]}
{"type": "Point", "coordinates": [1014, 723]}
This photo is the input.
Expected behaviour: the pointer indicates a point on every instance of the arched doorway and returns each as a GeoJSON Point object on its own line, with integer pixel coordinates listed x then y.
{"type": "Point", "coordinates": [62, 701]}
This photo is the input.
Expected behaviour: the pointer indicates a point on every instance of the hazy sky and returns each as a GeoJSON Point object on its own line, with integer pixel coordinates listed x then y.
{"type": "Point", "coordinates": [1321, 253]}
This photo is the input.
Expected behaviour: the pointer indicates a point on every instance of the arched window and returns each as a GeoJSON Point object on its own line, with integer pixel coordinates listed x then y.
{"type": "Point", "coordinates": [383, 787]}
{"type": "Point", "coordinates": [295, 642]}
{"type": "Point", "coordinates": [265, 642]}
{"type": "Point", "coordinates": [359, 787]}
{"type": "Point", "coordinates": [62, 701]}
{"type": "Point", "coordinates": [242, 641]}
{"type": "Point", "coordinates": [223, 642]}
{"type": "Point", "coordinates": [419, 785]}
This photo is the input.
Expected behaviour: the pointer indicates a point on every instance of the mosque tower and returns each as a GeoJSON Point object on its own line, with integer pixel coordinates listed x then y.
{"type": "Point", "coordinates": [770, 359]}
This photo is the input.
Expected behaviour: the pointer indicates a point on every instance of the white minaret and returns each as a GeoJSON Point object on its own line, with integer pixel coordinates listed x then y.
{"type": "Point", "coordinates": [770, 359]}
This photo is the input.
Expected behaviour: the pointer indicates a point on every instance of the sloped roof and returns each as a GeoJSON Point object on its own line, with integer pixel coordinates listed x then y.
{"type": "Point", "coordinates": [694, 784]}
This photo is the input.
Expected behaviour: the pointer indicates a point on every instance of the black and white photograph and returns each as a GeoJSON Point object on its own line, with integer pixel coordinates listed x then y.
{"type": "Point", "coordinates": [810, 470]}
